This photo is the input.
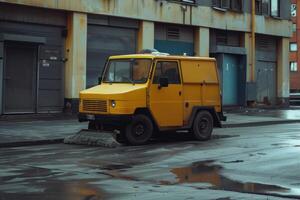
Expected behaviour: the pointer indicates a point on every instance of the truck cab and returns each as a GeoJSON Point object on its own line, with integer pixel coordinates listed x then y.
{"type": "Point", "coordinates": [142, 93]}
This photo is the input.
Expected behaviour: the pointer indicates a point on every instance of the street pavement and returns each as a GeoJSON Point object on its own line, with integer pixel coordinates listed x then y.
{"type": "Point", "coordinates": [259, 162]}
{"type": "Point", "coordinates": [54, 129]}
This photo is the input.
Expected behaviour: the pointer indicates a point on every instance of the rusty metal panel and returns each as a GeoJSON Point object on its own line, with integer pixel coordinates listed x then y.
{"type": "Point", "coordinates": [266, 68]}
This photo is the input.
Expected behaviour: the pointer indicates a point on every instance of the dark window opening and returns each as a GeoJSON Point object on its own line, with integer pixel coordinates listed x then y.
{"type": "Point", "coordinates": [168, 70]}
{"type": "Point", "coordinates": [228, 38]}
{"type": "Point", "coordinates": [236, 5]}
{"type": "Point", "coordinates": [262, 7]}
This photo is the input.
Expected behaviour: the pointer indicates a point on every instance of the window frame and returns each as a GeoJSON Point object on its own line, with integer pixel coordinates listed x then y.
{"type": "Point", "coordinates": [153, 81]}
{"type": "Point", "coordinates": [107, 66]}
{"type": "Point", "coordinates": [294, 27]}
{"type": "Point", "coordinates": [278, 8]}
{"type": "Point", "coordinates": [295, 69]}
{"type": "Point", "coordinates": [293, 43]}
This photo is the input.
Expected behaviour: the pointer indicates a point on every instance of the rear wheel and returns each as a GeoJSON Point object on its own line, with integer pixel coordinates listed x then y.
{"type": "Point", "coordinates": [139, 131]}
{"type": "Point", "coordinates": [92, 125]}
{"type": "Point", "coordinates": [203, 126]}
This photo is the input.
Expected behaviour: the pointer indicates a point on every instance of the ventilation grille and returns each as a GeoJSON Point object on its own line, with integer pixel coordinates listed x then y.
{"type": "Point", "coordinates": [173, 33]}
{"type": "Point", "coordinates": [94, 106]}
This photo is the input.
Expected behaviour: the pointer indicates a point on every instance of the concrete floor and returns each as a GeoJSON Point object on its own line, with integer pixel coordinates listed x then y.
{"type": "Point", "coordinates": [238, 163]}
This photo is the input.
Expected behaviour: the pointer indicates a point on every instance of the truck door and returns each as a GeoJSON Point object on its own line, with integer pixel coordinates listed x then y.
{"type": "Point", "coordinates": [166, 103]}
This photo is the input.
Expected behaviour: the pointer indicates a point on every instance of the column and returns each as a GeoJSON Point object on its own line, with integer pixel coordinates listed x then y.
{"type": "Point", "coordinates": [201, 41]}
{"type": "Point", "coordinates": [146, 35]}
{"type": "Point", "coordinates": [75, 73]}
{"type": "Point", "coordinates": [283, 72]}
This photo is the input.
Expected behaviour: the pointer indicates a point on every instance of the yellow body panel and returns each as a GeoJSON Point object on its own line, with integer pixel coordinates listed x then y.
{"type": "Point", "coordinates": [128, 97]}
{"type": "Point", "coordinates": [166, 104]}
{"type": "Point", "coordinates": [170, 106]}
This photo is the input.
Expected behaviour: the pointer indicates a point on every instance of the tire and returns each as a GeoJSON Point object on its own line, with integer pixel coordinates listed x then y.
{"type": "Point", "coordinates": [203, 126]}
{"type": "Point", "coordinates": [139, 131]}
{"type": "Point", "coordinates": [92, 125]}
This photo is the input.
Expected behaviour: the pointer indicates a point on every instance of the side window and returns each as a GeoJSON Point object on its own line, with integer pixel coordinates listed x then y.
{"type": "Point", "coordinates": [167, 69]}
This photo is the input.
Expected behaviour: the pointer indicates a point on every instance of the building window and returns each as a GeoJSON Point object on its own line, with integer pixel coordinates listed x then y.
{"type": "Point", "coordinates": [293, 10]}
{"type": "Point", "coordinates": [184, 1]}
{"type": "Point", "coordinates": [275, 8]}
{"type": "Point", "coordinates": [225, 4]}
{"type": "Point", "coordinates": [294, 27]}
{"type": "Point", "coordinates": [293, 66]}
{"type": "Point", "coordinates": [293, 46]}
{"type": "Point", "coordinates": [262, 7]}
{"type": "Point", "coordinates": [188, 1]}
{"type": "Point", "coordinates": [236, 5]}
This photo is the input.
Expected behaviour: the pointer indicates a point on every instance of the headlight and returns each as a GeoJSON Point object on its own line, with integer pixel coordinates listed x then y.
{"type": "Point", "coordinates": [113, 103]}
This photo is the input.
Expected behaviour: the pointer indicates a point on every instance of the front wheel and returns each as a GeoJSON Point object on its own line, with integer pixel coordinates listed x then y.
{"type": "Point", "coordinates": [139, 131]}
{"type": "Point", "coordinates": [203, 126]}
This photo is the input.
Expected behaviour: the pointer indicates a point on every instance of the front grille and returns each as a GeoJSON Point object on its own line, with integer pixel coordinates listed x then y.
{"type": "Point", "coordinates": [94, 105]}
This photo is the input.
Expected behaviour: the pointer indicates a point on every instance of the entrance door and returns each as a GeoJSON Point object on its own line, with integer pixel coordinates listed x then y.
{"type": "Point", "coordinates": [166, 103]}
{"type": "Point", "coordinates": [266, 81]}
{"type": "Point", "coordinates": [230, 80]}
{"type": "Point", "coordinates": [20, 78]}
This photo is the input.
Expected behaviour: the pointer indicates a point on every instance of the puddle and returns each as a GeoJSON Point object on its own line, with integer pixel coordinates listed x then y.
{"type": "Point", "coordinates": [208, 172]}
{"type": "Point", "coordinates": [42, 183]}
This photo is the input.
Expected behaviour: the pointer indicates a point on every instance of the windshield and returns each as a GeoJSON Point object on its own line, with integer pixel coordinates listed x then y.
{"type": "Point", "coordinates": [127, 71]}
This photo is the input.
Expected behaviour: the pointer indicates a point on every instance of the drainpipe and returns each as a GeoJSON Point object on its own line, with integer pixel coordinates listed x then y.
{"type": "Point", "coordinates": [253, 25]}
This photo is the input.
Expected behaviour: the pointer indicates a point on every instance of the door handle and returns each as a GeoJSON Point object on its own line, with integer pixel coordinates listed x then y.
{"type": "Point", "coordinates": [179, 93]}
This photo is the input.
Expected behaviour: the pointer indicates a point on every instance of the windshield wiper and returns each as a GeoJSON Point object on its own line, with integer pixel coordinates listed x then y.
{"type": "Point", "coordinates": [131, 81]}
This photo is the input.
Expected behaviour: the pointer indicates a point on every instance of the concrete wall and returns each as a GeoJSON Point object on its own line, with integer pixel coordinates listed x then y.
{"type": "Point", "coordinates": [164, 11]}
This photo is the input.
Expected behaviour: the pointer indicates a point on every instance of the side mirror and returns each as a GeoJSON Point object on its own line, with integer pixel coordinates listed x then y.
{"type": "Point", "coordinates": [99, 80]}
{"type": "Point", "coordinates": [163, 82]}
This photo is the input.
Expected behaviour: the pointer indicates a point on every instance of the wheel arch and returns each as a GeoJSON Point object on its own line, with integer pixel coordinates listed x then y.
{"type": "Point", "coordinates": [146, 111]}
{"type": "Point", "coordinates": [211, 110]}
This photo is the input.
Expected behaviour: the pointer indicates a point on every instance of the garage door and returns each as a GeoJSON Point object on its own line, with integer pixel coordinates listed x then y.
{"type": "Point", "coordinates": [266, 68]}
{"type": "Point", "coordinates": [104, 41]}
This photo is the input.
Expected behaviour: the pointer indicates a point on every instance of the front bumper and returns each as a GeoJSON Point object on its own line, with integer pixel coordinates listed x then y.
{"type": "Point", "coordinates": [115, 120]}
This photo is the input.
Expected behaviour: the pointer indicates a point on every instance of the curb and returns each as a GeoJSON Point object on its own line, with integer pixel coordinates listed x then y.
{"type": "Point", "coordinates": [264, 123]}
{"type": "Point", "coordinates": [31, 143]}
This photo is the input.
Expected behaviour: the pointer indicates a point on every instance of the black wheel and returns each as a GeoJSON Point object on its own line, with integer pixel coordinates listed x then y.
{"type": "Point", "coordinates": [92, 125]}
{"type": "Point", "coordinates": [203, 126]}
{"type": "Point", "coordinates": [139, 131]}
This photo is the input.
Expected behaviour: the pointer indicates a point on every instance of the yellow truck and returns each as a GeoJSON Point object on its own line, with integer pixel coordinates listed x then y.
{"type": "Point", "coordinates": [144, 93]}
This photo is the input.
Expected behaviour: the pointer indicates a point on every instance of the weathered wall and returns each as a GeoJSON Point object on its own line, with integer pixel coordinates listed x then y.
{"type": "Point", "coordinates": [75, 79]}
{"type": "Point", "coordinates": [164, 11]}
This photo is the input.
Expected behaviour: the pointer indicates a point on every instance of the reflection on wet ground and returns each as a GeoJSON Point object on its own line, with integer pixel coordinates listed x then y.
{"type": "Point", "coordinates": [35, 183]}
{"type": "Point", "coordinates": [208, 172]}
{"type": "Point", "coordinates": [283, 114]}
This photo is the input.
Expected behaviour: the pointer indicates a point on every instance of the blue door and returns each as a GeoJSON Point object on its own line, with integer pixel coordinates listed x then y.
{"type": "Point", "coordinates": [230, 80]}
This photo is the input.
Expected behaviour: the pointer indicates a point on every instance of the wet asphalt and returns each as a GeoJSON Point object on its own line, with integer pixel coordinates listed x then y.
{"type": "Point", "coordinates": [238, 163]}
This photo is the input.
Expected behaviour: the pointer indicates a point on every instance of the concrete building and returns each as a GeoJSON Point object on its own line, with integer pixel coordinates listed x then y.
{"type": "Point", "coordinates": [294, 53]}
{"type": "Point", "coordinates": [51, 50]}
